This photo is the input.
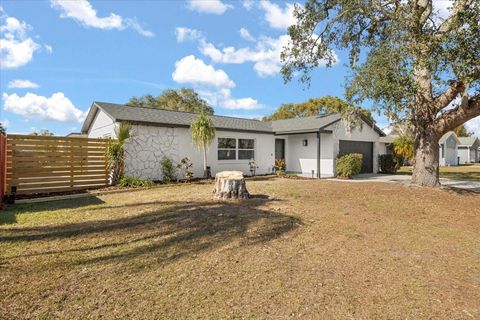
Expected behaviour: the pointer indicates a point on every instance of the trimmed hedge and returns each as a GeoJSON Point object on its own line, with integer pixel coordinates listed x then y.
{"type": "Point", "coordinates": [349, 165]}
{"type": "Point", "coordinates": [388, 163]}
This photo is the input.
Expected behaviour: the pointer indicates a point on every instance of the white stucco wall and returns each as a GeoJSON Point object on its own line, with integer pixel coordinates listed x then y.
{"type": "Point", "coordinates": [300, 158]}
{"type": "Point", "coordinates": [450, 154]}
{"type": "Point", "coordinates": [150, 144]}
{"type": "Point", "coordinates": [102, 126]}
{"type": "Point", "coordinates": [303, 159]}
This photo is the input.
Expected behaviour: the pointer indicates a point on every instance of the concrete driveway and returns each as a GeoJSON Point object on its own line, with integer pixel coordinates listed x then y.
{"type": "Point", "coordinates": [406, 179]}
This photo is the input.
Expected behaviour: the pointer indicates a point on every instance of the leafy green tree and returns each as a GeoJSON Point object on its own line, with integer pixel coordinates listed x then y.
{"type": "Point", "coordinates": [203, 133]}
{"type": "Point", "coordinates": [183, 99]}
{"type": "Point", "coordinates": [314, 107]}
{"type": "Point", "coordinates": [461, 131]}
{"type": "Point", "coordinates": [2, 129]}
{"type": "Point", "coordinates": [44, 132]}
{"type": "Point", "coordinates": [406, 58]}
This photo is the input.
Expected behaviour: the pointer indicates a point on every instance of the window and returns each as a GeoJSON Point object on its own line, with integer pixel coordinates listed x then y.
{"type": "Point", "coordinates": [245, 149]}
{"type": "Point", "coordinates": [227, 149]}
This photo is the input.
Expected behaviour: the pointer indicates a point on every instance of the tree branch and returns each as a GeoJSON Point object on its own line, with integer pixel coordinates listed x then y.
{"type": "Point", "coordinates": [447, 25]}
{"type": "Point", "coordinates": [448, 96]}
{"type": "Point", "coordinates": [469, 108]}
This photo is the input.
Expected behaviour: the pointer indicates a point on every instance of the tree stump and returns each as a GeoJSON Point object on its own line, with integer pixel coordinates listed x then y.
{"type": "Point", "coordinates": [230, 185]}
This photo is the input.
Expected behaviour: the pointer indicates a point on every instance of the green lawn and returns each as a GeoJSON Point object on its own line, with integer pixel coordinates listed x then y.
{"type": "Point", "coordinates": [463, 172]}
{"type": "Point", "coordinates": [300, 249]}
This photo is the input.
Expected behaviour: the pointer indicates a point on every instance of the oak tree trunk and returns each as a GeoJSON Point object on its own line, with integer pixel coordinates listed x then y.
{"type": "Point", "coordinates": [426, 167]}
{"type": "Point", "coordinates": [230, 185]}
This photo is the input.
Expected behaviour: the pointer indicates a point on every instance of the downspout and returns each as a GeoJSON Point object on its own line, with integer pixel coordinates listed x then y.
{"type": "Point", "coordinates": [319, 153]}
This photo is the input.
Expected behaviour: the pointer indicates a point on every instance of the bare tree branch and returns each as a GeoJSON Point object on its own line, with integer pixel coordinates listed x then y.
{"type": "Point", "coordinates": [468, 108]}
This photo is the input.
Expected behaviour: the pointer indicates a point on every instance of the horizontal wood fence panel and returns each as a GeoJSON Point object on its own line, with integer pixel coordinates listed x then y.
{"type": "Point", "coordinates": [38, 164]}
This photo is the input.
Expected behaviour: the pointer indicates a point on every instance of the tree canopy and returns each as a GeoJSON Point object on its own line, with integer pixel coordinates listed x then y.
{"type": "Point", "coordinates": [313, 107]}
{"type": "Point", "coordinates": [184, 99]}
{"type": "Point", "coordinates": [2, 129]}
{"type": "Point", "coordinates": [413, 63]}
{"type": "Point", "coordinates": [461, 131]}
{"type": "Point", "coordinates": [44, 132]}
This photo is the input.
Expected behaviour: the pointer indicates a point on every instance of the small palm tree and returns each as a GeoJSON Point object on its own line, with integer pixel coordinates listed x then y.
{"type": "Point", "coordinates": [203, 133]}
{"type": "Point", "coordinates": [116, 152]}
{"type": "Point", "coordinates": [403, 147]}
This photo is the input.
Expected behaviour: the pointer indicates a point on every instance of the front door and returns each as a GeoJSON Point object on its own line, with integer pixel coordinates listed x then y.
{"type": "Point", "coordinates": [279, 149]}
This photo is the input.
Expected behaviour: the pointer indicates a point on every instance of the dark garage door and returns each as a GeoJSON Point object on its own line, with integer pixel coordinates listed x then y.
{"type": "Point", "coordinates": [365, 148]}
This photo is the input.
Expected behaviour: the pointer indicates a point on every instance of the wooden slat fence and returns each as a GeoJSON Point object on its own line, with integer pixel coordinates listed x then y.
{"type": "Point", "coordinates": [3, 167]}
{"type": "Point", "coordinates": [41, 164]}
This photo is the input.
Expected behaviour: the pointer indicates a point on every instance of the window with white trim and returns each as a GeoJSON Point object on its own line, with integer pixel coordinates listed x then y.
{"type": "Point", "coordinates": [236, 149]}
{"type": "Point", "coordinates": [246, 149]}
{"type": "Point", "coordinates": [227, 149]}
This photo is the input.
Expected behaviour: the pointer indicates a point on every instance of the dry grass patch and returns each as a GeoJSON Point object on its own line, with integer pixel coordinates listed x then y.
{"type": "Point", "coordinates": [300, 249]}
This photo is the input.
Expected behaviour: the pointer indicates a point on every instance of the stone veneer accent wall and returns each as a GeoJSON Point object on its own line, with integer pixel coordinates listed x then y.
{"type": "Point", "coordinates": [146, 148]}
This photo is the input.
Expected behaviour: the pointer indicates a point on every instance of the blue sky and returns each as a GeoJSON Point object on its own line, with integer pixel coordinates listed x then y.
{"type": "Point", "coordinates": [57, 57]}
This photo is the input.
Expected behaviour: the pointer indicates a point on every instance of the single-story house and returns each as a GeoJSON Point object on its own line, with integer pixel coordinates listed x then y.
{"type": "Point", "coordinates": [448, 149]}
{"type": "Point", "coordinates": [468, 149]}
{"type": "Point", "coordinates": [309, 145]}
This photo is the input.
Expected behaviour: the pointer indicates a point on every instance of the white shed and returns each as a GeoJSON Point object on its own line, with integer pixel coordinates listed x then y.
{"type": "Point", "coordinates": [448, 149]}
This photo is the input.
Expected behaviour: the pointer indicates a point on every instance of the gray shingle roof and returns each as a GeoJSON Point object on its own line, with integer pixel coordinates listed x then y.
{"type": "Point", "coordinates": [467, 141]}
{"type": "Point", "coordinates": [447, 135]}
{"type": "Point", "coordinates": [174, 118]}
{"type": "Point", "coordinates": [119, 112]}
{"type": "Point", "coordinates": [313, 123]}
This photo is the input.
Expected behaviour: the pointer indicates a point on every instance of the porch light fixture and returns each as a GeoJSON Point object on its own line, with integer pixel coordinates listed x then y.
{"type": "Point", "coordinates": [305, 143]}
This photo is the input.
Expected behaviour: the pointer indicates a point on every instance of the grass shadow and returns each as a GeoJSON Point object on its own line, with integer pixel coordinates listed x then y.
{"type": "Point", "coordinates": [167, 232]}
{"type": "Point", "coordinates": [10, 213]}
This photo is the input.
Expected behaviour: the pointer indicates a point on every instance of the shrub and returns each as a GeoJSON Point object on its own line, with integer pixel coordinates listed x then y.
{"type": "Point", "coordinates": [280, 167]}
{"type": "Point", "coordinates": [388, 163]}
{"type": "Point", "coordinates": [349, 165]}
{"type": "Point", "coordinates": [185, 166]}
{"type": "Point", "coordinates": [168, 171]}
{"type": "Point", "coordinates": [134, 182]}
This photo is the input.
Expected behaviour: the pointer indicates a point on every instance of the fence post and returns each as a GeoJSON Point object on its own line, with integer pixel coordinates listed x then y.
{"type": "Point", "coordinates": [3, 168]}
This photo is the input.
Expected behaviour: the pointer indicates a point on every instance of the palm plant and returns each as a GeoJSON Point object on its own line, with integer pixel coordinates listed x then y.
{"type": "Point", "coordinates": [403, 148]}
{"type": "Point", "coordinates": [116, 152]}
{"type": "Point", "coordinates": [203, 133]}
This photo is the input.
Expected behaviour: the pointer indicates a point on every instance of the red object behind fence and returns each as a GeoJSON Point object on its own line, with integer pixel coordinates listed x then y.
{"type": "Point", "coordinates": [3, 167]}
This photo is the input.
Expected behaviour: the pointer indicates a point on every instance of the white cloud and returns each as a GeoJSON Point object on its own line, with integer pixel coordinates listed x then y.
{"type": "Point", "coordinates": [265, 54]}
{"type": "Point", "coordinates": [474, 126]}
{"type": "Point", "coordinates": [246, 35]}
{"type": "Point", "coordinates": [133, 23]}
{"type": "Point", "coordinates": [83, 12]}
{"type": "Point", "coordinates": [22, 84]}
{"type": "Point", "coordinates": [57, 107]}
{"type": "Point", "coordinates": [192, 70]}
{"type": "Point", "coordinates": [16, 48]}
{"type": "Point", "coordinates": [248, 4]}
{"type": "Point", "coordinates": [184, 34]}
{"type": "Point", "coordinates": [48, 48]}
{"type": "Point", "coordinates": [277, 17]}
{"type": "Point", "coordinates": [212, 85]}
{"type": "Point", "coordinates": [209, 6]}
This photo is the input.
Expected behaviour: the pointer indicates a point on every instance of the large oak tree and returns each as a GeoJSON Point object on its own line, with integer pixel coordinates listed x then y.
{"type": "Point", "coordinates": [414, 64]}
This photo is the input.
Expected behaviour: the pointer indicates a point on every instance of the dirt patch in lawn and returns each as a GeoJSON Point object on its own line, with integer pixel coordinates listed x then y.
{"type": "Point", "coordinates": [300, 249]}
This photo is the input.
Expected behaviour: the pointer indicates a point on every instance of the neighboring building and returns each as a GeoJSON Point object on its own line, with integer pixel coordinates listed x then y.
{"type": "Point", "coordinates": [448, 149]}
{"type": "Point", "coordinates": [308, 145]}
{"type": "Point", "coordinates": [468, 150]}
{"type": "Point", "coordinates": [76, 135]}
